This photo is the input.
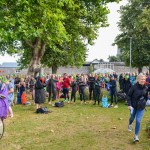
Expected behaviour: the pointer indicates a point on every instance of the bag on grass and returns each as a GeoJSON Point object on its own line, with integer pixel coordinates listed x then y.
{"type": "Point", "coordinates": [42, 111]}
{"type": "Point", "coordinates": [121, 95]}
{"type": "Point", "coordinates": [59, 104]}
{"type": "Point", "coordinates": [104, 102]}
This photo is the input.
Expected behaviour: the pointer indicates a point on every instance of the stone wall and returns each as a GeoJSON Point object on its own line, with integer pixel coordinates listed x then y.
{"type": "Point", "coordinates": [70, 70]}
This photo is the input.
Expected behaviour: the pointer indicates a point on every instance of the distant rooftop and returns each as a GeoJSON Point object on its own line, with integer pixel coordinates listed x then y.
{"type": "Point", "coordinates": [9, 65]}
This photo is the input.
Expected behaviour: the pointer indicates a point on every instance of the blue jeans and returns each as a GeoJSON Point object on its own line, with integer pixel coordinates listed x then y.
{"type": "Point", "coordinates": [138, 114]}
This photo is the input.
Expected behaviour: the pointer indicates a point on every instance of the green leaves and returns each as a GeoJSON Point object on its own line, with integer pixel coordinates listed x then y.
{"type": "Point", "coordinates": [66, 27]}
{"type": "Point", "coordinates": [132, 25]}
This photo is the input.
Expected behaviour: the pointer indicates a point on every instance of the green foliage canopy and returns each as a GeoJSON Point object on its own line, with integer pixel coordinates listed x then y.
{"type": "Point", "coordinates": [51, 32]}
{"type": "Point", "coordinates": [134, 24]}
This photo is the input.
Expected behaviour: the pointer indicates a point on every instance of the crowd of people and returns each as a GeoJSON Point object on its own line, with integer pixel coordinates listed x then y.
{"type": "Point", "coordinates": [89, 88]}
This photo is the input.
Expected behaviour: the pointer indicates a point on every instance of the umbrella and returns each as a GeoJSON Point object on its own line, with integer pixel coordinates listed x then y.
{"type": "Point", "coordinates": [104, 70]}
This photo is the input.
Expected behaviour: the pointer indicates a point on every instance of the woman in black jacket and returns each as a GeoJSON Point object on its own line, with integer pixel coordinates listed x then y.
{"type": "Point", "coordinates": [40, 95]}
{"type": "Point", "coordinates": [136, 100]}
{"type": "Point", "coordinates": [82, 85]}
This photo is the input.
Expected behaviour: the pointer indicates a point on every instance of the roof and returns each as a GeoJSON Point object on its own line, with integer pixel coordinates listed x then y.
{"type": "Point", "coordinates": [95, 61]}
{"type": "Point", "coordinates": [9, 65]}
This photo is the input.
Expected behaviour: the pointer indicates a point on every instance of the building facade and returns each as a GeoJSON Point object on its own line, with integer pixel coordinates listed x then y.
{"type": "Point", "coordinates": [88, 67]}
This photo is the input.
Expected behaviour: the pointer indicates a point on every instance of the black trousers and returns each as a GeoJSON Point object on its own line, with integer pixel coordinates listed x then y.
{"type": "Point", "coordinates": [97, 92]}
{"type": "Point", "coordinates": [52, 95]}
{"type": "Point", "coordinates": [66, 93]}
{"type": "Point", "coordinates": [82, 93]}
{"type": "Point", "coordinates": [91, 92]}
{"type": "Point", "coordinates": [113, 96]}
{"type": "Point", "coordinates": [73, 95]}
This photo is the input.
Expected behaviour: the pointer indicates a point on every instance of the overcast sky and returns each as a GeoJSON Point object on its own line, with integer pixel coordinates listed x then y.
{"type": "Point", "coordinates": [103, 45]}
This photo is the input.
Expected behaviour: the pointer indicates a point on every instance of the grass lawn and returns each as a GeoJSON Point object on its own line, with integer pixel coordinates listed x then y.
{"type": "Point", "coordinates": [73, 127]}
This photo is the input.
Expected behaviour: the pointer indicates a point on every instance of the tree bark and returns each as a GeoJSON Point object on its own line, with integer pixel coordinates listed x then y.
{"type": "Point", "coordinates": [54, 69]}
{"type": "Point", "coordinates": [38, 51]}
{"type": "Point", "coordinates": [139, 69]}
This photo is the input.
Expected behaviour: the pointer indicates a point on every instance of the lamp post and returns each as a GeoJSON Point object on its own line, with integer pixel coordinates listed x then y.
{"type": "Point", "coordinates": [130, 54]}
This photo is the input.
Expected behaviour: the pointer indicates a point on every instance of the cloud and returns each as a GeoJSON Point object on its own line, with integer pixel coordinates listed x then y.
{"type": "Point", "coordinates": [103, 45]}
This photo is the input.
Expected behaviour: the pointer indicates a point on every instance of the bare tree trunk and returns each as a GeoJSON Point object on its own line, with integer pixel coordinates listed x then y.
{"type": "Point", "coordinates": [54, 69]}
{"type": "Point", "coordinates": [139, 69]}
{"type": "Point", "coordinates": [37, 54]}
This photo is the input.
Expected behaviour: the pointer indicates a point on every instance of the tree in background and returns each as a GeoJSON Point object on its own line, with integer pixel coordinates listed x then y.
{"type": "Point", "coordinates": [114, 59]}
{"type": "Point", "coordinates": [34, 28]}
{"type": "Point", "coordinates": [134, 24]}
{"type": "Point", "coordinates": [101, 60]}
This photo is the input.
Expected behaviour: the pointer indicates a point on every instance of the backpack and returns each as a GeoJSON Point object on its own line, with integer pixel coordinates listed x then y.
{"type": "Point", "coordinates": [59, 104]}
{"type": "Point", "coordinates": [42, 110]}
{"type": "Point", "coordinates": [121, 95]}
{"type": "Point", "coordinates": [24, 98]}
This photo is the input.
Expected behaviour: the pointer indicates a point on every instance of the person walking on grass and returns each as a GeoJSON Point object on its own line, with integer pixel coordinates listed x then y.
{"type": "Point", "coordinates": [136, 100]}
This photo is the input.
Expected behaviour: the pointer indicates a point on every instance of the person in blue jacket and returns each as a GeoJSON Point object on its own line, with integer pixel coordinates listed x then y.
{"type": "Point", "coordinates": [113, 92]}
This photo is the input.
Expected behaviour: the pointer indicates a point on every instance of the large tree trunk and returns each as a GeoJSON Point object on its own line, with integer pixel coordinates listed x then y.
{"type": "Point", "coordinates": [139, 69]}
{"type": "Point", "coordinates": [38, 51]}
{"type": "Point", "coordinates": [54, 69]}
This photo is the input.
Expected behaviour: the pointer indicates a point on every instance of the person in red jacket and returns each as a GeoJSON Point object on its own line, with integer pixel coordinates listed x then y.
{"type": "Point", "coordinates": [65, 86]}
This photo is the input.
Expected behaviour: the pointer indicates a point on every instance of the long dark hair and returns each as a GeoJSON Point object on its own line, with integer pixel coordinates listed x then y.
{"type": "Point", "coordinates": [38, 84]}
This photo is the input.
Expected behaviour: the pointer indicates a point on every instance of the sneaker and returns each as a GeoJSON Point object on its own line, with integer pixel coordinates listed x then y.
{"type": "Point", "coordinates": [50, 103]}
{"type": "Point", "coordinates": [116, 106]}
{"type": "Point", "coordinates": [110, 105]}
{"type": "Point", "coordinates": [136, 139]}
{"type": "Point", "coordinates": [129, 127]}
